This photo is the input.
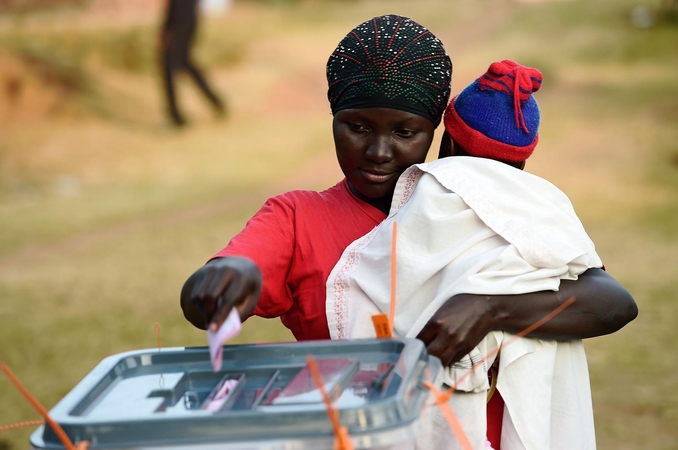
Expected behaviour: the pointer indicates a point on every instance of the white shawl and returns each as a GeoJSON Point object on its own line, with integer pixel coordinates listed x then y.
{"type": "Point", "coordinates": [478, 226]}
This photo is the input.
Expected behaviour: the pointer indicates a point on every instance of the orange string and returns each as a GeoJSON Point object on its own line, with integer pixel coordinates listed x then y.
{"type": "Point", "coordinates": [526, 331]}
{"type": "Point", "coordinates": [61, 434]}
{"type": "Point", "coordinates": [424, 410]}
{"type": "Point", "coordinates": [13, 426]}
{"type": "Point", "coordinates": [391, 314]}
{"type": "Point", "coordinates": [342, 442]}
{"type": "Point", "coordinates": [442, 399]}
{"type": "Point", "coordinates": [450, 416]}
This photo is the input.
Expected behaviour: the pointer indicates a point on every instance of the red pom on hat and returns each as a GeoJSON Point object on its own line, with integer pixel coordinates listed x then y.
{"type": "Point", "coordinates": [516, 80]}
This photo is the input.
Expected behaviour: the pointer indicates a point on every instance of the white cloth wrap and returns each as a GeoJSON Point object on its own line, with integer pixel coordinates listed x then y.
{"type": "Point", "coordinates": [478, 226]}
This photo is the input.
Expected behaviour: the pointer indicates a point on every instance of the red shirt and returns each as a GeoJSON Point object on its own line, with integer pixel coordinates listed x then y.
{"type": "Point", "coordinates": [296, 239]}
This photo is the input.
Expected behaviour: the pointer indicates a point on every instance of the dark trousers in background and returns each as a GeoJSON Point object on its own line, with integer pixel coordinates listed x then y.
{"type": "Point", "coordinates": [176, 58]}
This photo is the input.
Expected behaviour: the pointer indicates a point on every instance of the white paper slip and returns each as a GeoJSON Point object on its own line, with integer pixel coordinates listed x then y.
{"type": "Point", "coordinates": [229, 329]}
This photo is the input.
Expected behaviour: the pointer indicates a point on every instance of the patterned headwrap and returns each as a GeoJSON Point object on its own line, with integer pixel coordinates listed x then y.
{"type": "Point", "coordinates": [390, 62]}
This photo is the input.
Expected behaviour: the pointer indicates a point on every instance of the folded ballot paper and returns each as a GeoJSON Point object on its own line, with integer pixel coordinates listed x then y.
{"type": "Point", "coordinates": [215, 339]}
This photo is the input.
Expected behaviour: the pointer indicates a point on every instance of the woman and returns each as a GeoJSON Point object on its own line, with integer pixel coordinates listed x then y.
{"type": "Point", "coordinates": [389, 83]}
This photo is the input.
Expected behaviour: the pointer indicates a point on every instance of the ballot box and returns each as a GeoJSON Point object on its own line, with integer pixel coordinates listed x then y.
{"type": "Point", "coordinates": [263, 397]}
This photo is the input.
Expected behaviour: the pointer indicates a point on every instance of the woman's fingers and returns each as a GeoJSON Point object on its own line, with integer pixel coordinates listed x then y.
{"type": "Point", "coordinates": [208, 290]}
{"type": "Point", "coordinates": [235, 291]}
{"type": "Point", "coordinates": [215, 295]}
{"type": "Point", "coordinates": [231, 282]}
{"type": "Point", "coordinates": [441, 343]}
{"type": "Point", "coordinates": [428, 333]}
{"type": "Point", "coordinates": [210, 293]}
{"type": "Point", "coordinates": [198, 293]}
{"type": "Point", "coordinates": [458, 326]}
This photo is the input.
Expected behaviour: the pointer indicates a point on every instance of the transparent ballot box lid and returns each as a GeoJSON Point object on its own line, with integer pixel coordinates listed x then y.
{"type": "Point", "coordinates": [264, 396]}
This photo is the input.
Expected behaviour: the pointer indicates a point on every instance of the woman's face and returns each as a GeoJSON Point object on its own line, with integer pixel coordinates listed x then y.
{"type": "Point", "coordinates": [375, 146]}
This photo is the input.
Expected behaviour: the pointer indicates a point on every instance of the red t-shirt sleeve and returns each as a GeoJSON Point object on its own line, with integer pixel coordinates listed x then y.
{"type": "Point", "coordinates": [268, 239]}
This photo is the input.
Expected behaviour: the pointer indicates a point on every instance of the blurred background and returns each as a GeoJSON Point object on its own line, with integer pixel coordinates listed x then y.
{"type": "Point", "coordinates": [106, 206]}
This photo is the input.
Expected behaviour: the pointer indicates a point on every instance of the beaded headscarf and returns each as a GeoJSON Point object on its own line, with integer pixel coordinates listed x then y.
{"type": "Point", "coordinates": [390, 62]}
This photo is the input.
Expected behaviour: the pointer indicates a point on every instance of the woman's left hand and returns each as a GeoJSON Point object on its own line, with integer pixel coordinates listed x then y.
{"type": "Point", "coordinates": [458, 326]}
{"type": "Point", "coordinates": [601, 306]}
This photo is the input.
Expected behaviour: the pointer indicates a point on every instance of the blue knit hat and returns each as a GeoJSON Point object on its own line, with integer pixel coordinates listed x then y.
{"type": "Point", "coordinates": [496, 116]}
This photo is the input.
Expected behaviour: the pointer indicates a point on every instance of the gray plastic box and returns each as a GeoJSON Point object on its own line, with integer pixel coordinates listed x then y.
{"type": "Point", "coordinates": [151, 399]}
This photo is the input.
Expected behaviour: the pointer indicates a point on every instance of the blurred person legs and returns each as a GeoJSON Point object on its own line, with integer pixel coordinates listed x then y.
{"type": "Point", "coordinates": [176, 41]}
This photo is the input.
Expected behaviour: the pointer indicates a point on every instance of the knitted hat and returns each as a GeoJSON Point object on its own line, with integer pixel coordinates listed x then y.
{"type": "Point", "coordinates": [390, 62]}
{"type": "Point", "coordinates": [496, 116]}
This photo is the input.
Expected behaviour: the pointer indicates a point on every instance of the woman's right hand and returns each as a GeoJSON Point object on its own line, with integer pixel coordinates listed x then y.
{"type": "Point", "coordinates": [209, 295]}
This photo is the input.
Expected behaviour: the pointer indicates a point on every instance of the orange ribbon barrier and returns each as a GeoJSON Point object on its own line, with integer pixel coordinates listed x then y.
{"type": "Point", "coordinates": [13, 426]}
{"type": "Point", "coordinates": [450, 416]}
{"type": "Point", "coordinates": [525, 332]}
{"type": "Point", "coordinates": [342, 440]}
{"type": "Point", "coordinates": [394, 263]}
{"type": "Point", "coordinates": [61, 434]}
{"type": "Point", "coordinates": [384, 326]}
{"type": "Point", "coordinates": [442, 399]}
{"type": "Point", "coordinates": [156, 327]}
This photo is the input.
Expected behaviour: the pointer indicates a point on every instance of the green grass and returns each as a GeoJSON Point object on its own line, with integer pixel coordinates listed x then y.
{"type": "Point", "coordinates": [105, 210]}
{"type": "Point", "coordinates": [164, 177]}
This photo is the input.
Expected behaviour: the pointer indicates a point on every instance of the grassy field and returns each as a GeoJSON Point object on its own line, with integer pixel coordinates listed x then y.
{"type": "Point", "coordinates": [105, 209]}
